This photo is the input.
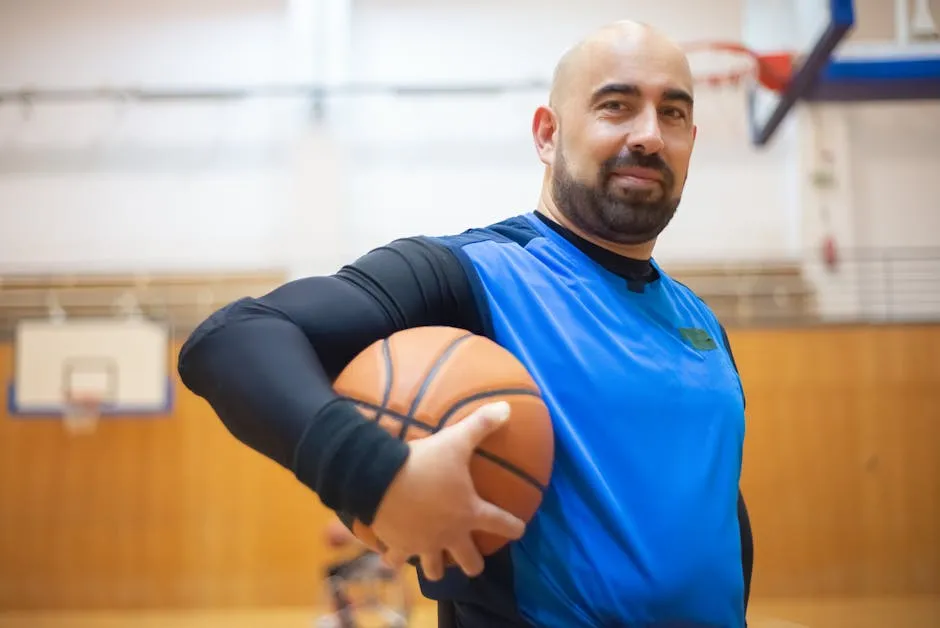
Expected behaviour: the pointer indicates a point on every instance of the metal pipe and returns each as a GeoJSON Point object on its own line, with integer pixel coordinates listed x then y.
{"type": "Point", "coordinates": [301, 91]}
{"type": "Point", "coordinates": [902, 23]}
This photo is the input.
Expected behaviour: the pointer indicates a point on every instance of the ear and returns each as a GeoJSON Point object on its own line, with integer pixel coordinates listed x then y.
{"type": "Point", "coordinates": [544, 133]}
{"type": "Point", "coordinates": [694, 132]}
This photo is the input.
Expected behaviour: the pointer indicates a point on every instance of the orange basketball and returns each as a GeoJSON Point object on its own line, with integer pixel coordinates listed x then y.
{"type": "Point", "coordinates": [421, 380]}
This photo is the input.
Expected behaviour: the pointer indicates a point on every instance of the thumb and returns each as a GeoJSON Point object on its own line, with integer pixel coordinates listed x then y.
{"type": "Point", "coordinates": [481, 423]}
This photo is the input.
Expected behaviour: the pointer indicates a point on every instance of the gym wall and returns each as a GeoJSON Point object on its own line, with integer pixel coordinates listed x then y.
{"type": "Point", "coordinates": [263, 182]}
{"type": "Point", "coordinates": [841, 473]}
{"type": "Point", "coordinates": [841, 477]}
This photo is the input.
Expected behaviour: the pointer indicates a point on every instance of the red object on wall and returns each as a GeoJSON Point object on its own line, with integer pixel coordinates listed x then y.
{"type": "Point", "coordinates": [830, 253]}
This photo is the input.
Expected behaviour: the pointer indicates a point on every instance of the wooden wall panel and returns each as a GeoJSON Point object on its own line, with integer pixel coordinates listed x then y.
{"type": "Point", "coordinates": [166, 511]}
{"type": "Point", "coordinates": [842, 476]}
{"type": "Point", "coordinates": [842, 458]}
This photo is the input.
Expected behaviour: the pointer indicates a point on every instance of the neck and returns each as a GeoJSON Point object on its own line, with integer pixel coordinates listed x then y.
{"type": "Point", "coordinates": [548, 207]}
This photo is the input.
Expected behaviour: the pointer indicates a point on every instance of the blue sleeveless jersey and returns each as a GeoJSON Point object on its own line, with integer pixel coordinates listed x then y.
{"type": "Point", "coordinates": [638, 526]}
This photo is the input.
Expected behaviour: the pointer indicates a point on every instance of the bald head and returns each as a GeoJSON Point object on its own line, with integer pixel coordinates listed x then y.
{"type": "Point", "coordinates": [617, 135]}
{"type": "Point", "coordinates": [622, 40]}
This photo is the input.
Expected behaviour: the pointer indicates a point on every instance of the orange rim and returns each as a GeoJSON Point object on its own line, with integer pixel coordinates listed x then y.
{"type": "Point", "coordinates": [772, 70]}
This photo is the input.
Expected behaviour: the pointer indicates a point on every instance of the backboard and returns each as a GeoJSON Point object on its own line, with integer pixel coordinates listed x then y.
{"type": "Point", "coordinates": [107, 366]}
{"type": "Point", "coordinates": [844, 51]}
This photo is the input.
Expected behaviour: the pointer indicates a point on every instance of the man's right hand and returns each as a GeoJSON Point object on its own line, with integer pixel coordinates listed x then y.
{"type": "Point", "coordinates": [432, 507]}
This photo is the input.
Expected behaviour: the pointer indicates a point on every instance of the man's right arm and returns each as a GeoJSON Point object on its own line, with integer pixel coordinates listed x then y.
{"type": "Point", "coordinates": [266, 365]}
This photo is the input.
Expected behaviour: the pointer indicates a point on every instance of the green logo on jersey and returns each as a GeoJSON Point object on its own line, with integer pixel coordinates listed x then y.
{"type": "Point", "coordinates": [698, 338]}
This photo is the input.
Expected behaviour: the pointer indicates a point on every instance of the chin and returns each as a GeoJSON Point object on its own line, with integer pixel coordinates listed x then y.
{"type": "Point", "coordinates": [637, 195]}
{"type": "Point", "coordinates": [641, 229]}
{"type": "Point", "coordinates": [631, 238]}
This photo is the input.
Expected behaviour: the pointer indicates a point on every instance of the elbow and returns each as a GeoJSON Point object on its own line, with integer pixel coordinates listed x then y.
{"type": "Point", "coordinates": [188, 361]}
{"type": "Point", "coordinates": [201, 348]}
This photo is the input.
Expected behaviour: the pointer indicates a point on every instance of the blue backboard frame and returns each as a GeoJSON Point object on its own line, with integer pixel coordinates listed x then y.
{"type": "Point", "coordinates": [824, 77]}
{"type": "Point", "coordinates": [107, 410]}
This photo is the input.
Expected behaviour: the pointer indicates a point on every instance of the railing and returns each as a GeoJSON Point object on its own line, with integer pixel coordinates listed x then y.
{"type": "Point", "coordinates": [900, 285]}
{"type": "Point", "coordinates": [180, 300]}
{"type": "Point", "coordinates": [865, 286]}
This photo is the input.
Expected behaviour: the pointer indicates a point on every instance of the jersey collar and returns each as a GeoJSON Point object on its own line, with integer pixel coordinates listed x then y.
{"type": "Point", "coordinates": [637, 272]}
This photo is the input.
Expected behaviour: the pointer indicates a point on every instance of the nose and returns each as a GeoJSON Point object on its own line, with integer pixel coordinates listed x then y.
{"type": "Point", "coordinates": [645, 135]}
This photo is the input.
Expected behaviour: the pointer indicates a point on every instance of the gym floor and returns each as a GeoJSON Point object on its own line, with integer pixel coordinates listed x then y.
{"type": "Point", "coordinates": [888, 612]}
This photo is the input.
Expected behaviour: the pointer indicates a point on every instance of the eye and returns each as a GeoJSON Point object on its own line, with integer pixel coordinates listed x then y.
{"type": "Point", "coordinates": [612, 105]}
{"type": "Point", "coordinates": [674, 113]}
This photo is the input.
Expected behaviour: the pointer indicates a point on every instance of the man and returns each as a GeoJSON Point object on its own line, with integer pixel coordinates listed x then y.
{"type": "Point", "coordinates": [643, 524]}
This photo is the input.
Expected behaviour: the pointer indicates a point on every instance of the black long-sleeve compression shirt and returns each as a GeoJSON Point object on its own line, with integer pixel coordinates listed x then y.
{"type": "Point", "coordinates": [266, 365]}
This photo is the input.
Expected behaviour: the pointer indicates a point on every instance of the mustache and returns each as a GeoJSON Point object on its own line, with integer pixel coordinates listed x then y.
{"type": "Point", "coordinates": [638, 160]}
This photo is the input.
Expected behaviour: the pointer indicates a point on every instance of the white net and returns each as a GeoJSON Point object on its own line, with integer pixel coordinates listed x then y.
{"type": "Point", "coordinates": [81, 414]}
{"type": "Point", "coordinates": [723, 75]}
{"type": "Point", "coordinates": [721, 65]}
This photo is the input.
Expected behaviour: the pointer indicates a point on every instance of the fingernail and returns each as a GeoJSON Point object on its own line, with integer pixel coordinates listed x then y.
{"type": "Point", "coordinates": [498, 410]}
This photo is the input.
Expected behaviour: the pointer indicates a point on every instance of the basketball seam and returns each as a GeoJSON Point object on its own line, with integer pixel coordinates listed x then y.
{"type": "Point", "coordinates": [429, 377]}
{"type": "Point", "coordinates": [408, 421]}
{"type": "Point", "coordinates": [483, 395]}
{"type": "Point", "coordinates": [389, 380]}
{"type": "Point", "coordinates": [387, 356]}
{"type": "Point", "coordinates": [508, 466]}
{"type": "Point", "coordinates": [403, 419]}
{"type": "Point", "coordinates": [412, 421]}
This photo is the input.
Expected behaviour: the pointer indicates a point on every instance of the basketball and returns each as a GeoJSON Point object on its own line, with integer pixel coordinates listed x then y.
{"type": "Point", "coordinates": [422, 380]}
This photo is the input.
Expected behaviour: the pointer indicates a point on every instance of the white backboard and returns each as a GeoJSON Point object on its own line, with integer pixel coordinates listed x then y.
{"type": "Point", "coordinates": [124, 364]}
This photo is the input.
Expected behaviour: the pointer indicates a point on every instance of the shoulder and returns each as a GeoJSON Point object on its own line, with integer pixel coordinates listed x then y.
{"type": "Point", "coordinates": [517, 230]}
{"type": "Point", "coordinates": [437, 255]}
{"type": "Point", "coordinates": [691, 298]}
{"type": "Point", "coordinates": [686, 293]}
{"type": "Point", "coordinates": [709, 316]}
{"type": "Point", "coordinates": [503, 246]}
{"type": "Point", "coordinates": [433, 278]}
{"type": "Point", "coordinates": [441, 249]}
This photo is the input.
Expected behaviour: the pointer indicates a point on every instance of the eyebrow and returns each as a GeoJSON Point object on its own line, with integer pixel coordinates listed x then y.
{"type": "Point", "coordinates": [629, 89]}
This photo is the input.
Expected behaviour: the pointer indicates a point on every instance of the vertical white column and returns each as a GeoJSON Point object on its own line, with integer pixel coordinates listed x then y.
{"type": "Point", "coordinates": [318, 204]}
{"type": "Point", "coordinates": [336, 35]}
{"type": "Point", "coordinates": [827, 200]}
{"type": "Point", "coordinates": [774, 26]}
{"type": "Point", "coordinates": [902, 23]}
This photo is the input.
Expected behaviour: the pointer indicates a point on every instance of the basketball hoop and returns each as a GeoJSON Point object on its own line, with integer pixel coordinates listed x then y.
{"type": "Point", "coordinates": [81, 414]}
{"type": "Point", "coordinates": [727, 64]}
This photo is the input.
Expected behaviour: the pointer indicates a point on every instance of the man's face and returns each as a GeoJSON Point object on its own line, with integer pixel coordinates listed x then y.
{"type": "Point", "coordinates": [624, 143]}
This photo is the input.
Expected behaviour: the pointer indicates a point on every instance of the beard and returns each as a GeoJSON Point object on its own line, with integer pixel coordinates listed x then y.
{"type": "Point", "coordinates": [624, 216]}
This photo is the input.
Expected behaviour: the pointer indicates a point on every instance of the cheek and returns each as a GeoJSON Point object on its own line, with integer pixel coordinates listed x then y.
{"type": "Point", "coordinates": [607, 140]}
{"type": "Point", "coordinates": [599, 147]}
{"type": "Point", "coordinates": [677, 155]}
{"type": "Point", "coordinates": [582, 162]}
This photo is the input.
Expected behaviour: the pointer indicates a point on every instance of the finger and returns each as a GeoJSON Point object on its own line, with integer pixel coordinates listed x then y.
{"type": "Point", "coordinates": [394, 559]}
{"type": "Point", "coordinates": [480, 424]}
{"type": "Point", "coordinates": [495, 520]}
{"type": "Point", "coordinates": [467, 556]}
{"type": "Point", "coordinates": [432, 565]}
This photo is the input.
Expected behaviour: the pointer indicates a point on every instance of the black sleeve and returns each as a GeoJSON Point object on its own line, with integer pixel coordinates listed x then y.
{"type": "Point", "coordinates": [744, 520]}
{"type": "Point", "coordinates": [747, 546]}
{"type": "Point", "coordinates": [266, 365]}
